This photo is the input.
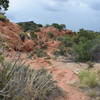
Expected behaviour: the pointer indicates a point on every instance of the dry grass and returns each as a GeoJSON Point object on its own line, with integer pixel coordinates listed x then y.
{"type": "Point", "coordinates": [18, 82]}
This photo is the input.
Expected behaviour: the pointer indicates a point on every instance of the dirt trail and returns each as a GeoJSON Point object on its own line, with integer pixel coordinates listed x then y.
{"type": "Point", "coordinates": [63, 73]}
{"type": "Point", "coordinates": [63, 76]}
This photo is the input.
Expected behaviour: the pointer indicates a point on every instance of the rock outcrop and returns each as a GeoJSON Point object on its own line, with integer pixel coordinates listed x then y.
{"type": "Point", "coordinates": [9, 31]}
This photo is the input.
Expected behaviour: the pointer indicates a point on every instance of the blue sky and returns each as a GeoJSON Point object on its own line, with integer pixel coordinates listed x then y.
{"type": "Point", "coordinates": [75, 14]}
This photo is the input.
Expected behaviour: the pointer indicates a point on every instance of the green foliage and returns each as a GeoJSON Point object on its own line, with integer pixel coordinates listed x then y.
{"type": "Point", "coordinates": [4, 4]}
{"type": "Point", "coordinates": [88, 78]}
{"type": "Point", "coordinates": [2, 17]}
{"type": "Point", "coordinates": [3, 45]}
{"type": "Point", "coordinates": [66, 40]}
{"type": "Point", "coordinates": [40, 53]}
{"type": "Point", "coordinates": [65, 46]}
{"type": "Point", "coordinates": [85, 44]}
{"type": "Point", "coordinates": [33, 35]}
{"type": "Point", "coordinates": [22, 36]}
{"type": "Point", "coordinates": [89, 35]}
{"type": "Point", "coordinates": [90, 64]}
{"type": "Point", "coordinates": [30, 26]}
{"type": "Point", "coordinates": [62, 51]}
{"type": "Point", "coordinates": [93, 94]}
{"type": "Point", "coordinates": [59, 26]}
{"type": "Point", "coordinates": [19, 82]}
{"type": "Point", "coordinates": [39, 25]}
{"type": "Point", "coordinates": [50, 34]}
{"type": "Point", "coordinates": [1, 57]}
{"type": "Point", "coordinates": [83, 50]}
{"type": "Point", "coordinates": [42, 45]}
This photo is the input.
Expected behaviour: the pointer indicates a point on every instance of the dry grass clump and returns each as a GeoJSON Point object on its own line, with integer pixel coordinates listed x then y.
{"type": "Point", "coordinates": [18, 82]}
{"type": "Point", "coordinates": [90, 83]}
{"type": "Point", "coordinates": [88, 78]}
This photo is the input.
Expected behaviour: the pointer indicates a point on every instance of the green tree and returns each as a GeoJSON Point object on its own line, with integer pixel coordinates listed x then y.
{"type": "Point", "coordinates": [4, 4]}
{"type": "Point", "coordinates": [86, 45]}
{"type": "Point", "coordinates": [59, 26]}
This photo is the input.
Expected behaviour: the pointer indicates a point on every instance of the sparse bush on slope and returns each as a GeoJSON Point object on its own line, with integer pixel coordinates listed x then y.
{"type": "Point", "coordinates": [30, 26]}
{"type": "Point", "coordinates": [89, 78]}
{"type": "Point", "coordinates": [59, 26]}
{"type": "Point", "coordinates": [50, 34]}
{"type": "Point", "coordinates": [90, 83]}
{"type": "Point", "coordinates": [2, 17]}
{"type": "Point", "coordinates": [85, 45]}
{"type": "Point", "coordinates": [33, 36]}
{"type": "Point", "coordinates": [82, 50]}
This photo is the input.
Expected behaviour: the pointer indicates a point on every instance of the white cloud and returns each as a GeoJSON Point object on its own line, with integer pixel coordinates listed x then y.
{"type": "Point", "coordinates": [74, 13]}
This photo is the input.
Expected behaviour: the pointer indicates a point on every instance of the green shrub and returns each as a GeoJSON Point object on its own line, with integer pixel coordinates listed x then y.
{"type": "Point", "coordinates": [83, 50]}
{"type": "Point", "coordinates": [89, 35]}
{"type": "Point", "coordinates": [50, 34]}
{"type": "Point", "coordinates": [33, 35]}
{"type": "Point", "coordinates": [84, 45]}
{"type": "Point", "coordinates": [66, 40]}
{"type": "Point", "coordinates": [62, 51]}
{"type": "Point", "coordinates": [22, 36]}
{"type": "Point", "coordinates": [2, 17]}
{"type": "Point", "coordinates": [3, 44]}
{"type": "Point", "coordinates": [88, 78]}
{"type": "Point", "coordinates": [65, 47]}
{"type": "Point", "coordinates": [18, 82]}
{"type": "Point", "coordinates": [90, 64]}
{"type": "Point", "coordinates": [86, 49]}
{"type": "Point", "coordinates": [30, 26]}
{"type": "Point", "coordinates": [42, 45]}
{"type": "Point", "coordinates": [40, 53]}
{"type": "Point", "coordinates": [59, 26]}
{"type": "Point", "coordinates": [93, 94]}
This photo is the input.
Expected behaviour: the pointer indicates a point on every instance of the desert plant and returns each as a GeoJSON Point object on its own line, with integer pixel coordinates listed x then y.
{"type": "Point", "coordinates": [86, 49]}
{"type": "Point", "coordinates": [40, 53]}
{"type": "Point", "coordinates": [88, 78]}
{"type": "Point", "coordinates": [18, 82]}
{"type": "Point", "coordinates": [62, 51]}
{"type": "Point", "coordinates": [42, 44]}
{"type": "Point", "coordinates": [22, 36]}
{"type": "Point", "coordinates": [50, 34]}
{"type": "Point", "coordinates": [33, 35]}
{"type": "Point", "coordinates": [85, 44]}
{"type": "Point", "coordinates": [83, 50]}
{"type": "Point", "coordinates": [92, 94]}
{"type": "Point", "coordinates": [3, 44]}
{"type": "Point", "coordinates": [30, 26]}
{"type": "Point", "coordinates": [59, 26]}
{"type": "Point", "coordinates": [90, 64]}
{"type": "Point", "coordinates": [65, 47]}
{"type": "Point", "coordinates": [66, 40]}
{"type": "Point", "coordinates": [2, 17]}
{"type": "Point", "coordinates": [87, 34]}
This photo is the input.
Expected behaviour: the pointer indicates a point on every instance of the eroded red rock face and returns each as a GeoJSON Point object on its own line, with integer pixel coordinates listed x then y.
{"type": "Point", "coordinates": [43, 34]}
{"type": "Point", "coordinates": [55, 31]}
{"type": "Point", "coordinates": [9, 31]}
{"type": "Point", "coordinates": [28, 45]}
